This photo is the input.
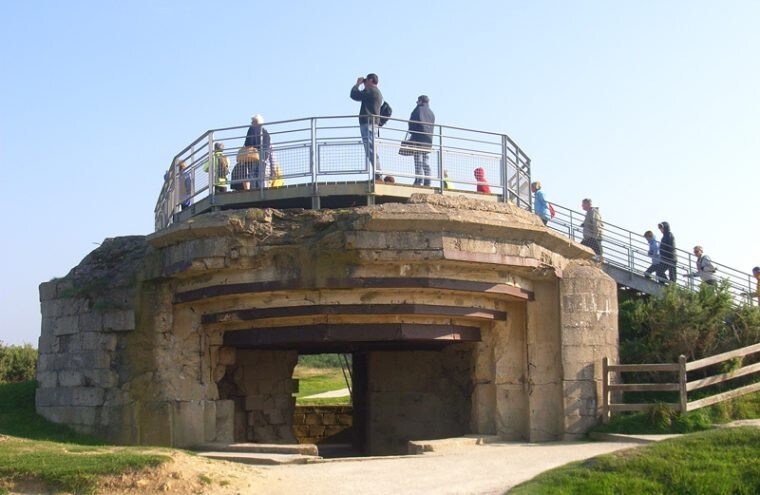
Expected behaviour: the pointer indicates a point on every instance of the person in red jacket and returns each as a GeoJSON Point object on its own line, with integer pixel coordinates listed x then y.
{"type": "Point", "coordinates": [480, 176]}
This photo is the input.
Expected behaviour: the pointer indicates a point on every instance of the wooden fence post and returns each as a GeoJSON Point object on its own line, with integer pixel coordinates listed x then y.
{"type": "Point", "coordinates": [684, 405]}
{"type": "Point", "coordinates": [605, 392]}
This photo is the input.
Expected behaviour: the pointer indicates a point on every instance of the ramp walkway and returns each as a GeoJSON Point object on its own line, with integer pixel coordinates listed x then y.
{"type": "Point", "coordinates": [625, 258]}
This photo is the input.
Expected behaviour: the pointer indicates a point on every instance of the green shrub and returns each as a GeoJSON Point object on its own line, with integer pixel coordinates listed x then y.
{"type": "Point", "coordinates": [17, 363]}
{"type": "Point", "coordinates": [697, 324]}
{"type": "Point", "coordinates": [322, 360]}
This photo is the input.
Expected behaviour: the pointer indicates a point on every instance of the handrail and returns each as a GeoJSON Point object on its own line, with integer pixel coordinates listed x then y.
{"type": "Point", "coordinates": [625, 249]}
{"type": "Point", "coordinates": [683, 386]}
{"type": "Point", "coordinates": [310, 150]}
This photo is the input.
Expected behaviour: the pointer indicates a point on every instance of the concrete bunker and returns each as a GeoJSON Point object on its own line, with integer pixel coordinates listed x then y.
{"type": "Point", "coordinates": [462, 316]}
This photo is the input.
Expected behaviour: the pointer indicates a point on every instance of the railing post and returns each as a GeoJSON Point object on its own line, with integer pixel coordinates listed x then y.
{"type": "Point", "coordinates": [631, 254]}
{"type": "Point", "coordinates": [504, 174]}
{"type": "Point", "coordinates": [211, 168]}
{"type": "Point", "coordinates": [441, 183]}
{"type": "Point", "coordinates": [605, 391]}
{"type": "Point", "coordinates": [683, 404]}
{"type": "Point", "coordinates": [690, 282]}
{"type": "Point", "coordinates": [374, 148]}
{"type": "Point", "coordinates": [572, 227]}
{"type": "Point", "coordinates": [314, 162]}
{"type": "Point", "coordinates": [174, 196]}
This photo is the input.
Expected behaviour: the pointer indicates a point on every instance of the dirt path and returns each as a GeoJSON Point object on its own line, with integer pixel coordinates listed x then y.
{"type": "Point", "coordinates": [485, 469]}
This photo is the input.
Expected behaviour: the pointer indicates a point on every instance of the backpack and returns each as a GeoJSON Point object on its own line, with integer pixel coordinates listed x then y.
{"type": "Point", "coordinates": [385, 113]}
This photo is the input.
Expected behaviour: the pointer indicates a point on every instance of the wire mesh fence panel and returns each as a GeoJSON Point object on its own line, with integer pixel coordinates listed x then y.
{"type": "Point", "coordinates": [466, 171]}
{"type": "Point", "coordinates": [333, 144]}
{"type": "Point", "coordinates": [342, 158]}
{"type": "Point", "coordinates": [293, 161]}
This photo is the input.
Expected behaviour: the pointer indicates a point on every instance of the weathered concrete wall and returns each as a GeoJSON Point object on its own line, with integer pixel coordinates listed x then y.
{"type": "Point", "coordinates": [265, 390]}
{"type": "Point", "coordinates": [125, 352]}
{"type": "Point", "coordinates": [417, 394]}
{"type": "Point", "coordinates": [323, 424]}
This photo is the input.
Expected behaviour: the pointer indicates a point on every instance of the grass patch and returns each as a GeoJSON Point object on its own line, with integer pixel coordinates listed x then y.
{"type": "Point", "coordinates": [317, 380]}
{"type": "Point", "coordinates": [660, 421]}
{"type": "Point", "coordinates": [19, 418]}
{"type": "Point", "coordinates": [64, 468]}
{"type": "Point", "coordinates": [716, 462]}
{"type": "Point", "coordinates": [55, 454]}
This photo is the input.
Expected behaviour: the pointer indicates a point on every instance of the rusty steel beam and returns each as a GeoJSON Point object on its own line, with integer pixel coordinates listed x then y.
{"type": "Point", "coordinates": [354, 309]}
{"type": "Point", "coordinates": [355, 283]}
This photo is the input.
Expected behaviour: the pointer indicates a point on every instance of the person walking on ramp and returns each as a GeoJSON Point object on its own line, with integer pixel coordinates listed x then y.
{"type": "Point", "coordinates": [592, 227]}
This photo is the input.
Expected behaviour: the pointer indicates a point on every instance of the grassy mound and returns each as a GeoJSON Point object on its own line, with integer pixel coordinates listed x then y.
{"type": "Point", "coordinates": [53, 454]}
{"type": "Point", "coordinates": [716, 462]}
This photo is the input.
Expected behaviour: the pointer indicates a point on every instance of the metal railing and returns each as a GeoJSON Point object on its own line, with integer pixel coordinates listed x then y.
{"type": "Point", "coordinates": [628, 250]}
{"type": "Point", "coordinates": [318, 150]}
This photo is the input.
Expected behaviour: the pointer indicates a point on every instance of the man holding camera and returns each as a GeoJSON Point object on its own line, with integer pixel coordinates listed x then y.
{"type": "Point", "coordinates": [371, 99]}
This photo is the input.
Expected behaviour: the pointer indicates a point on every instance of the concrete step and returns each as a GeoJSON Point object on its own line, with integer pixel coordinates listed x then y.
{"type": "Point", "coordinates": [307, 449]}
{"type": "Point", "coordinates": [260, 458]}
{"type": "Point", "coordinates": [420, 446]}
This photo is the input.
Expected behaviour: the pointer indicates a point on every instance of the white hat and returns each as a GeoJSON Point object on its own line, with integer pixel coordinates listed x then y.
{"type": "Point", "coordinates": [257, 119]}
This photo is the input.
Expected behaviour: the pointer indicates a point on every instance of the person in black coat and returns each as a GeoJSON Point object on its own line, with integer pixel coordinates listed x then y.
{"type": "Point", "coordinates": [421, 127]}
{"type": "Point", "coordinates": [258, 137]}
{"type": "Point", "coordinates": [668, 255]}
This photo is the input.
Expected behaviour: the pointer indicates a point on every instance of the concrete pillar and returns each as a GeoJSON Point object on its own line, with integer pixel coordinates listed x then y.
{"type": "Point", "coordinates": [589, 318]}
{"type": "Point", "coordinates": [510, 375]}
{"type": "Point", "coordinates": [544, 363]}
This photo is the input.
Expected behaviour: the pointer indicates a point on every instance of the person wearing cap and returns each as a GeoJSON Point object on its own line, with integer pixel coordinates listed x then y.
{"type": "Point", "coordinates": [371, 100]}
{"type": "Point", "coordinates": [421, 127]}
{"type": "Point", "coordinates": [258, 137]}
{"type": "Point", "coordinates": [705, 269]}
{"type": "Point", "coordinates": [221, 167]}
{"type": "Point", "coordinates": [668, 255]}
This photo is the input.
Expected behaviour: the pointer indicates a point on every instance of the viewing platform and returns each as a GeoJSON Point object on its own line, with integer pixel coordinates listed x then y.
{"type": "Point", "coordinates": [320, 162]}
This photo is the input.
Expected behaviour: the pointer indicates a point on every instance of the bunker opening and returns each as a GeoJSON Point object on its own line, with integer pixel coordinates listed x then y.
{"type": "Point", "coordinates": [399, 388]}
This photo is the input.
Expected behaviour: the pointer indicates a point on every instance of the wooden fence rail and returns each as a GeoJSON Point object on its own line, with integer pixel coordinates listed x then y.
{"type": "Point", "coordinates": [682, 386]}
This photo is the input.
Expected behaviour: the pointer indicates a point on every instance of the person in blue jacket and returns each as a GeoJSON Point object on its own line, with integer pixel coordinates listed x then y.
{"type": "Point", "coordinates": [654, 253]}
{"type": "Point", "coordinates": [540, 205]}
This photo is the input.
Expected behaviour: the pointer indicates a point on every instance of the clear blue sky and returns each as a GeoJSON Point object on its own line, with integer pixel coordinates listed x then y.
{"type": "Point", "coordinates": [651, 108]}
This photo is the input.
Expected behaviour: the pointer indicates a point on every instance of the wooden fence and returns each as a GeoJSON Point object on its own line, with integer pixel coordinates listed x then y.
{"type": "Point", "coordinates": [682, 386]}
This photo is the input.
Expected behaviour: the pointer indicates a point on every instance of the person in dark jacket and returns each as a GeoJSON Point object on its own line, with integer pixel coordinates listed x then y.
{"type": "Point", "coordinates": [421, 132]}
{"type": "Point", "coordinates": [258, 137]}
{"type": "Point", "coordinates": [371, 99]}
{"type": "Point", "coordinates": [668, 255]}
